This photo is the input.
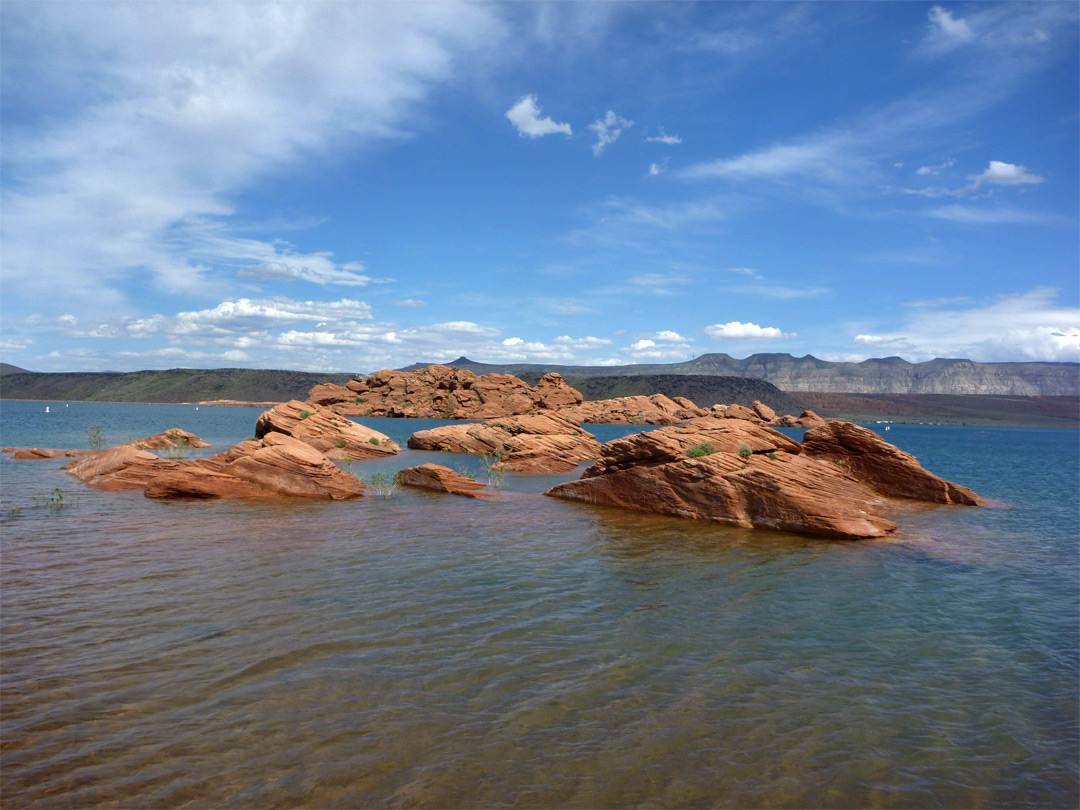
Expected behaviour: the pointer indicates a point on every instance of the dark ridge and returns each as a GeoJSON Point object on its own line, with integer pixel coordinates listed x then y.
{"type": "Point", "coordinates": [7, 368]}
{"type": "Point", "coordinates": [173, 385]}
{"type": "Point", "coordinates": [704, 391]}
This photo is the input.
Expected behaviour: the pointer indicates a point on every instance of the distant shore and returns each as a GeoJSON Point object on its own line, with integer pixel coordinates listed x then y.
{"type": "Point", "coordinates": [976, 410]}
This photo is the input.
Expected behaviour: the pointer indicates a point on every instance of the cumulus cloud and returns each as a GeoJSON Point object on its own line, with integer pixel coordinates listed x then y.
{"type": "Point", "coordinates": [642, 344]}
{"type": "Point", "coordinates": [658, 168]}
{"type": "Point", "coordinates": [608, 129]}
{"type": "Point", "coordinates": [1029, 326]}
{"type": "Point", "coordinates": [525, 116]}
{"type": "Point", "coordinates": [1009, 174]}
{"type": "Point", "coordinates": [246, 314]}
{"type": "Point", "coordinates": [667, 336]}
{"type": "Point", "coordinates": [735, 330]}
{"type": "Point", "coordinates": [663, 137]}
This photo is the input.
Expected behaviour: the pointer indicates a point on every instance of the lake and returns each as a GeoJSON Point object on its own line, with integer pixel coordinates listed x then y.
{"type": "Point", "coordinates": [431, 651]}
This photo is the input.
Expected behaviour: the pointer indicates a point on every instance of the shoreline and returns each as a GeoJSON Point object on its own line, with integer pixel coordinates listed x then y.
{"type": "Point", "coordinates": [882, 418]}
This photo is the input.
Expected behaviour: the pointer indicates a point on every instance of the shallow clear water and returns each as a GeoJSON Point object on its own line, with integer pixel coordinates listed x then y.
{"type": "Point", "coordinates": [427, 650]}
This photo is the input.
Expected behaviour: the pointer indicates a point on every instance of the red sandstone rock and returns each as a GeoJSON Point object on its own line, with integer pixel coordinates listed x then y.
{"type": "Point", "coordinates": [736, 411]}
{"type": "Point", "coordinates": [119, 468]}
{"type": "Point", "coordinates": [325, 430]}
{"type": "Point", "coordinates": [443, 392]}
{"type": "Point", "coordinates": [35, 453]}
{"type": "Point", "coordinates": [882, 466]}
{"type": "Point", "coordinates": [172, 438]}
{"type": "Point", "coordinates": [807, 419]}
{"type": "Point", "coordinates": [756, 477]}
{"type": "Point", "coordinates": [637, 410]}
{"type": "Point", "coordinates": [438, 478]}
{"type": "Point", "coordinates": [535, 443]}
{"type": "Point", "coordinates": [766, 413]}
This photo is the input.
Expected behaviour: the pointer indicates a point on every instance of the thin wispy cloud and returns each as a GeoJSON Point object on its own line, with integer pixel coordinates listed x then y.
{"type": "Point", "coordinates": [608, 129]}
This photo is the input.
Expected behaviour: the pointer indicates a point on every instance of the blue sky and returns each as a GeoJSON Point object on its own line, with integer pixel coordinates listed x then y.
{"type": "Point", "coordinates": [353, 186]}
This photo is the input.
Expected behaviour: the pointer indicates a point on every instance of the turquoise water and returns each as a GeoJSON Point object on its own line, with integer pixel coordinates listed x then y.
{"type": "Point", "coordinates": [425, 650]}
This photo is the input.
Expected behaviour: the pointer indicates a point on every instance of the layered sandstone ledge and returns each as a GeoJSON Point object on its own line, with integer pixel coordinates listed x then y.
{"type": "Point", "coordinates": [838, 483]}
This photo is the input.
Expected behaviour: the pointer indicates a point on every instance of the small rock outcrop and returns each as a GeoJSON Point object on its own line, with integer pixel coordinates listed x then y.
{"type": "Point", "coordinates": [741, 473]}
{"type": "Point", "coordinates": [807, 419]}
{"type": "Point", "coordinates": [443, 392]}
{"type": "Point", "coordinates": [277, 465]}
{"type": "Point", "coordinates": [35, 453]}
{"type": "Point", "coordinates": [530, 443]}
{"type": "Point", "coordinates": [326, 431]}
{"type": "Point", "coordinates": [884, 467]}
{"type": "Point", "coordinates": [636, 410]}
{"type": "Point", "coordinates": [437, 478]}
{"type": "Point", "coordinates": [170, 439]}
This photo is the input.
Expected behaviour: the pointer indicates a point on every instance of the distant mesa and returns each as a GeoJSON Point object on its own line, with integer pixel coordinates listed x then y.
{"type": "Point", "coordinates": [7, 368]}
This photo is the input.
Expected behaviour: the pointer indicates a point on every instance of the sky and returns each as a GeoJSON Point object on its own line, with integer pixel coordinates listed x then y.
{"type": "Point", "coordinates": [349, 186]}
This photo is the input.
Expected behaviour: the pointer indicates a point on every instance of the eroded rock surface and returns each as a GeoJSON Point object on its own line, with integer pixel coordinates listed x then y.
{"type": "Point", "coordinates": [530, 443]}
{"type": "Point", "coordinates": [741, 473]}
{"type": "Point", "coordinates": [119, 468]}
{"type": "Point", "coordinates": [636, 410]}
{"type": "Point", "coordinates": [35, 453]}
{"type": "Point", "coordinates": [883, 466]}
{"type": "Point", "coordinates": [437, 478]}
{"type": "Point", "coordinates": [443, 392]}
{"type": "Point", "coordinates": [167, 439]}
{"type": "Point", "coordinates": [326, 431]}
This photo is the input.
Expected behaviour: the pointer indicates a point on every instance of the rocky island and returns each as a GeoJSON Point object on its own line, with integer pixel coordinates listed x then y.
{"type": "Point", "coordinates": [725, 464]}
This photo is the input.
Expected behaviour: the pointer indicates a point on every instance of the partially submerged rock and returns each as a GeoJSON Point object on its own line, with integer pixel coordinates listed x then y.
{"type": "Point", "coordinates": [173, 438]}
{"type": "Point", "coordinates": [36, 453]}
{"type": "Point", "coordinates": [437, 478]}
{"type": "Point", "coordinates": [635, 410]}
{"type": "Point", "coordinates": [443, 392]}
{"type": "Point", "coordinates": [531, 443]}
{"type": "Point", "coordinates": [882, 466]}
{"type": "Point", "coordinates": [740, 473]}
{"type": "Point", "coordinates": [326, 431]}
{"type": "Point", "coordinates": [119, 468]}
{"type": "Point", "coordinates": [807, 419]}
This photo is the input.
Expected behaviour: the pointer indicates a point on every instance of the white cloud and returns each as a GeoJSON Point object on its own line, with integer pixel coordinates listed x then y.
{"type": "Point", "coordinates": [608, 129]}
{"type": "Point", "coordinates": [945, 29]}
{"type": "Point", "coordinates": [247, 315]}
{"type": "Point", "coordinates": [1006, 174]}
{"type": "Point", "coordinates": [642, 344]}
{"type": "Point", "coordinates": [158, 114]}
{"type": "Point", "coordinates": [348, 275]}
{"type": "Point", "coordinates": [826, 156]}
{"type": "Point", "coordinates": [582, 343]}
{"type": "Point", "coordinates": [1023, 326]}
{"type": "Point", "coordinates": [525, 116]}
{"type": "Point", "coordinates": [409, 302]}
{"type": "Point", "coordinates": [663, 137]}
{"type": "Point", "coordinates": [658, 168]}
{"type": "Point", "coordinates": [997, 215]}
{"type": "Point", "coordinates": [936, 168]}
{"type": "Point", "coordinates": [735, 330]}
{"type": "Point", "coordinates": [659, 283]}
{"type": "Point", "coordinates": [668, 337]}
{"type": "Point", "coordinates": [514, 341]}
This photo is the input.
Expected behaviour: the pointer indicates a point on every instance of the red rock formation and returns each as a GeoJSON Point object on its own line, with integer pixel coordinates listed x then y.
{"type": "Point", "coordinates": [438, 478]}
{"type": "Point", "coordinates": [766, 413]}
{"type": "Point", "coordinates": [736, 412]}
{"type": "Point", "coordinates": [882, 466]}
{"type": "Point", "coordinates": [168, 439]}
{"type": "Point", "coordinates": [807, 419]}
{"type": "Point", "coordinates": [741, 473]}
{"type": "Point", "coordinates": [443, 392]}
{"type": "Point", "coordinates": [35, 453]}
{"type": "Point", "coordinates": [326, 431]}
{"type": "Point", "coordinates": [119, 468]}
{"type": "Point", "coordinates": [636, 410]}
{"type": "Point", "coordinates": [534, 443]}
{"type": "Point", "coordinates": [287, 466]}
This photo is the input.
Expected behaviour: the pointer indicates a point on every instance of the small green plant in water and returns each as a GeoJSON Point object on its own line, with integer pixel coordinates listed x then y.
{"type": "Point", "coordinates": [745, 452]}
{"type": "Point", "coordinates": [493, 467]}
{"type": "Point", "coordinates": [384, 486]}
{"type": "Point", "coordinates": [179, 447]}
{"type": "Point", "coordinates": [705, 449]}
{"type": "Point", "coordinates": [95, 437]}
